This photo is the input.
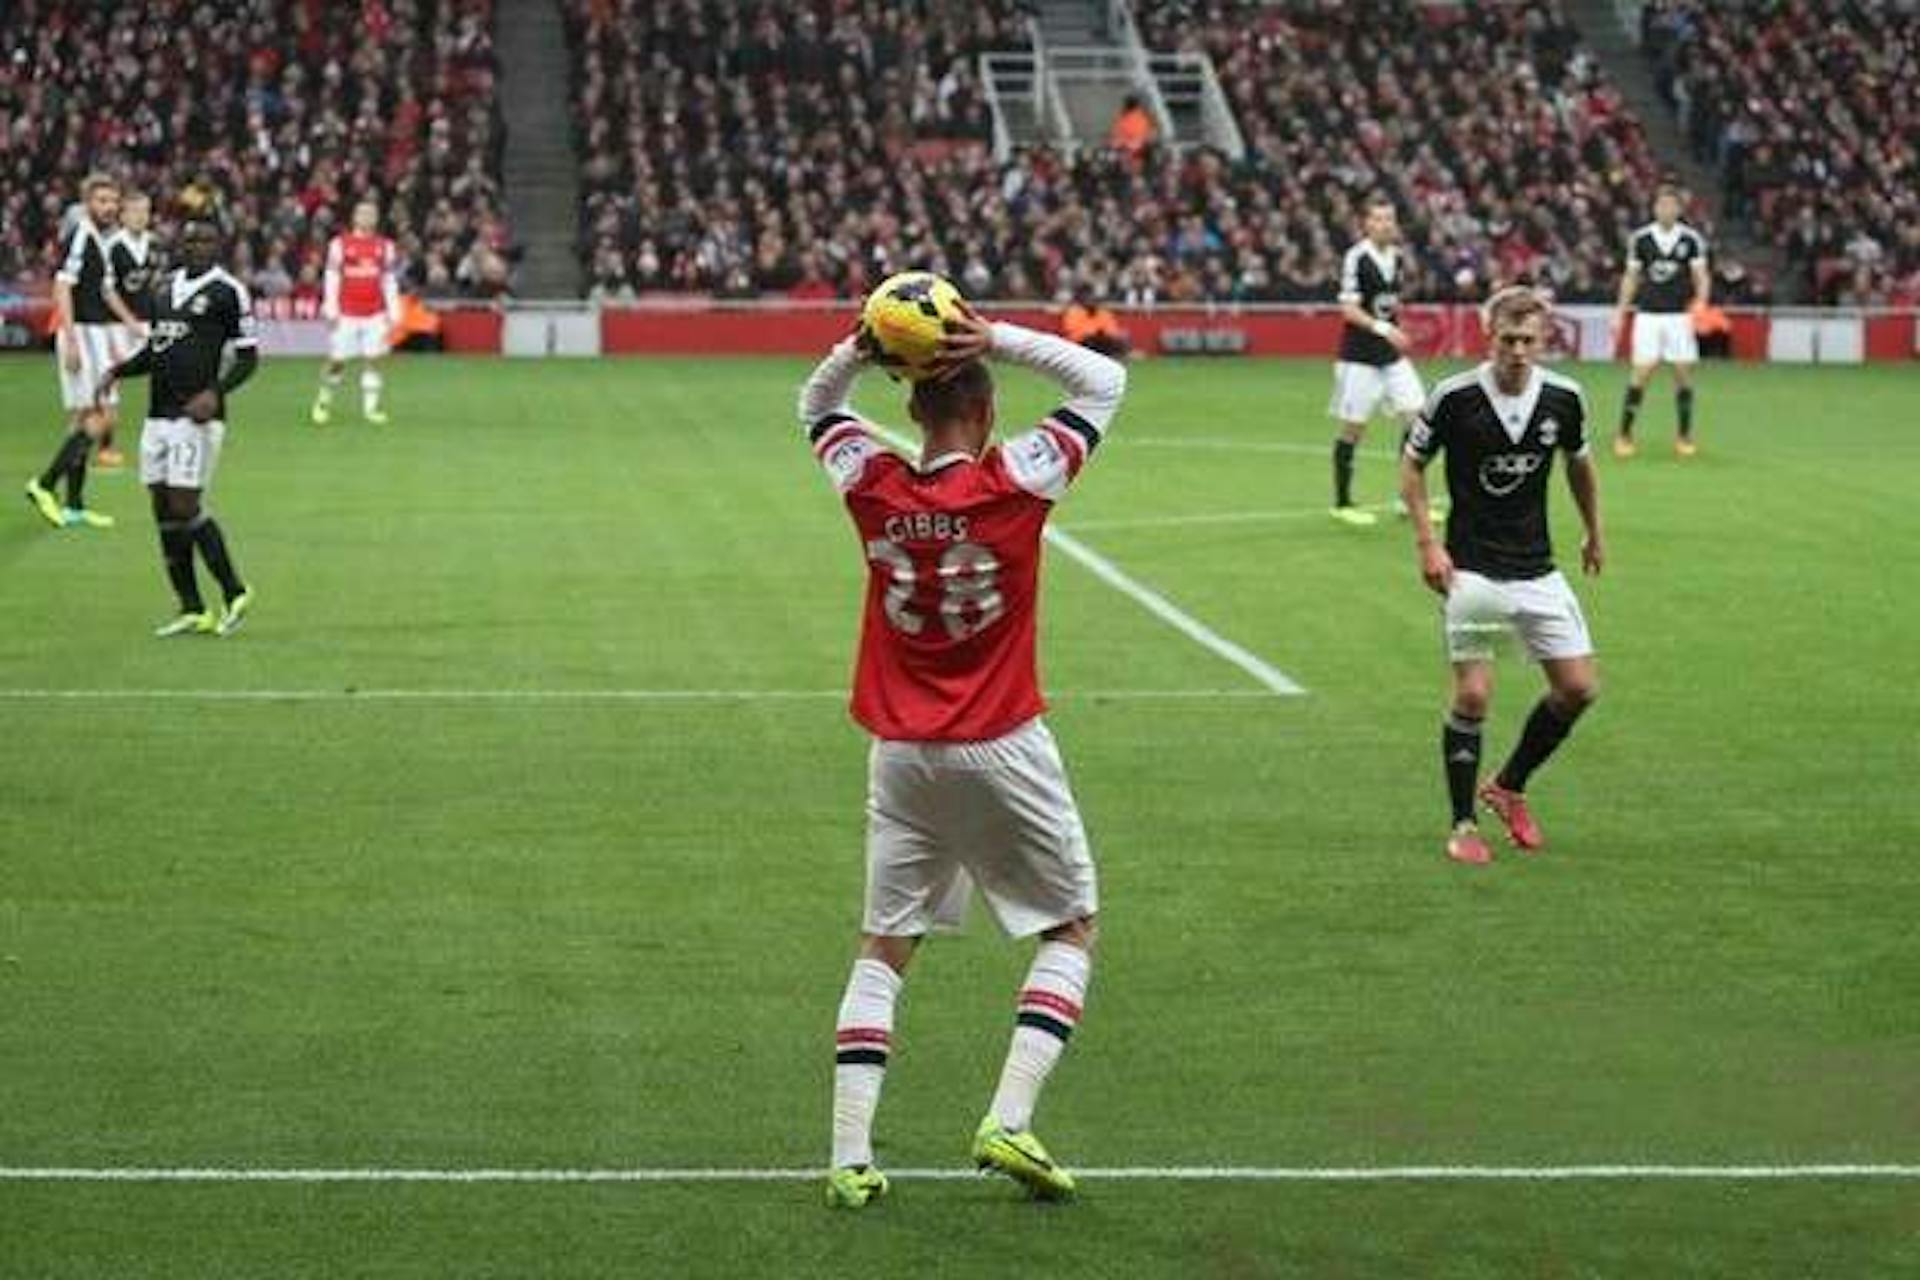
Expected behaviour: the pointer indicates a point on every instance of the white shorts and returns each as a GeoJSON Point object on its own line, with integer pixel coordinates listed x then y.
{"type": "Point", "coordinates": [364, 337]}
{"type": "Point", "coordinates": [1358, 389]}
{"type": "Point", "coordinates": [95, 344]}
{"type": "Point", "coordinates": [943, 816]}
{"type": "Point", "coordinates": [179, 452]}
{"type": "Point", "coordinates": [1542, 611]}
{"type": "Point", "coordinates": [1662, 335]}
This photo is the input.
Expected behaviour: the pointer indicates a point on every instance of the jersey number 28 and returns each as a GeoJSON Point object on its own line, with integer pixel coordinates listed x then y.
{"type": "Point", "coordinates": [968, 578]}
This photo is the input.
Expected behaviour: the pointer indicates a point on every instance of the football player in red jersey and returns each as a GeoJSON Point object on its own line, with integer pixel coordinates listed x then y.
{"type": "Point", "coordinates": [965, 784]}
{"type": "Point", "coordinates": [362, 303]}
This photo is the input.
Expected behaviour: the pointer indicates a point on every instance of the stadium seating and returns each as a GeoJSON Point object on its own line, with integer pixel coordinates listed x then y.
{"type": "Point", "coordinates": [280, 118]}
{"type": "Point", "coordinates": [708, 167]}
{"type": "Point", "coordinates": [1811, 114]}
{"type": "Point", "coordinates": [735, 148]}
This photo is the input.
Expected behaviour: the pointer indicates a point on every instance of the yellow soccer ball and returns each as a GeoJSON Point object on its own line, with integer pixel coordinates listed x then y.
{"type": "Point", "coordinates": [905, 318]}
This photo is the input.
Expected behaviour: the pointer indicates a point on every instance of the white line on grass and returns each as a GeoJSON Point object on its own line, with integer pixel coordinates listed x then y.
{"type": "Point", "coordinates": [1129, 1173]}
{"type": "Point", "coordinates": [1218, 517]}
{"type": "Point", "coordinates": [560, 695]}
{"type": "Point", "coordinates": [1249, 446]}
{"type": "Point", "coordinates": [1152, 601]}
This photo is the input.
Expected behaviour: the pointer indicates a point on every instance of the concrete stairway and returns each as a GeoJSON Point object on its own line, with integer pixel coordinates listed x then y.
{"type": "Point", "coordinates": [542, 169]}
{"type": "Point", "coordinates": [1618, 53]}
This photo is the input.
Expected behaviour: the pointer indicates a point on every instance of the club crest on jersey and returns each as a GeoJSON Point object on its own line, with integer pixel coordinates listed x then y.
{"type": "Point", "coordinates": [1549, 432]}
{"type": "Point", "coordinates": [199, 305]}
{"type": "Point", "coordinates": [1502, 473]}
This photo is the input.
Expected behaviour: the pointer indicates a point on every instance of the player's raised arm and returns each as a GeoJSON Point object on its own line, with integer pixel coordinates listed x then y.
{"type": "Point", "coordinates": [1094, 383]}
{"type": "Point", "coordinates": [840, 440]}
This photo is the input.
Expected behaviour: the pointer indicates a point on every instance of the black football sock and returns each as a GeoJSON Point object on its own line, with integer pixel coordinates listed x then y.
{"type": "Point", "coordinates": [1343, 473]}
{"type": "Point", "coordinates": [1630, 408]}
{"type": "Point", "coordinates": [1547, 727]}
{"type": "Point", "coordinates": [1460, 750]}
{"type": "Point", "coordinates": [77, 477]}
{"type": "Point", "coordinates": [74, 446]}
{"type": "Point", "coordinates": [1683, 405]}
{"type": "Point", "coordinates": [213, 549]}
{"type": "Point", "coordinates": [176, 548]}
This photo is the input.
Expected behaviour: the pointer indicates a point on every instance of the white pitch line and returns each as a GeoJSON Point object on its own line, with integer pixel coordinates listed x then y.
{"type": "Point", "coordinates": [1217, 517]}
{"type": "Point", "coordinates": [1249, 446]}
{"type": "Point", "coordinates": [561, 695]}
{"type": "Point", "coordinates": [1129, 1173]}
{"type": "Point", "coordinates": [1152, 601]}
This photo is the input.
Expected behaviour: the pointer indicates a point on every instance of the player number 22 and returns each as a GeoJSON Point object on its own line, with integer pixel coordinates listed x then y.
{"type": "Point", "coordinates": [970, 599]}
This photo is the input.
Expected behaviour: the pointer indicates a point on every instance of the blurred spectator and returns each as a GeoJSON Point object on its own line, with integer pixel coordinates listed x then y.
{"type": "Point", "coordinates": [273, 117]}
{"type": "Point", "coordinates": [1133, 130]}
{"type": "Point", "coordinates": [1091, 323]}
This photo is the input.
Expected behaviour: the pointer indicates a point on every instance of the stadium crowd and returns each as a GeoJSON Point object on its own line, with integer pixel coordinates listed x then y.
{"type": "Point", "coordinates": [1811, 113]}
{"type": "Point", "coordinates": [275, 117]}
{"type": "Point", "coordinates": [731, 150]}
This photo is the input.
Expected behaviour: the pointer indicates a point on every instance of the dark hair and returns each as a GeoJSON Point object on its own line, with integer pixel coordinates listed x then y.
{"type": "Point", "coordinates": [963, 394]}
{"type": "Point", "coordinates": [1667, 189]}
{"type": "Point", "coordinates": [1377, 199]}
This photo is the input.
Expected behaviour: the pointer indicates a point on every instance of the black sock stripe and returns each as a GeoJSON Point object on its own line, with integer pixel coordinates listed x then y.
{"type": "Point", "coordinates": [1041, 1022]}
{"type": "Point", "coordinates": [861, 1057]}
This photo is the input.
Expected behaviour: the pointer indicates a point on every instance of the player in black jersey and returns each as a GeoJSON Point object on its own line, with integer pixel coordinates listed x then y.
{"type": "Point", "coordinates": [1500, 426]}
{"type": "Point", "coordinates": [86, 307]}
{"type": "Point", "coordinates": [136, 260]}
{"type": "Point", "coordinates": [1373, 363]}
{"type": "Point", "coordinates": [1666, 278]}
{"type": "Point", "coordinates": [198, 311]}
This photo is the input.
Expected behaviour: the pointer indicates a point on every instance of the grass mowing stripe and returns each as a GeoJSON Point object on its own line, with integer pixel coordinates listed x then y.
{"type": "Point", "coordinates": [1124, 1173]}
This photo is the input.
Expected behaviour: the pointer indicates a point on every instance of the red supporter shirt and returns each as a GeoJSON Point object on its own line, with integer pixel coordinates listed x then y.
{"type": "Point", "coordinates": [361, 266]}
{"type": "Point", "coordinates": [947, 639]}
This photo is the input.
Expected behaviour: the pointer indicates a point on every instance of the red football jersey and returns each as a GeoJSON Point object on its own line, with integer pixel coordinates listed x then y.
{"type": "Point", "coordinates": [361, 266]}
{"type": "Point", "coordinates": [953, 563]}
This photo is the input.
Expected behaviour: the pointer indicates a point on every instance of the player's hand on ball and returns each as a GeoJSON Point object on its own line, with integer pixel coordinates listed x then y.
{"type": "Point", "coordinates": [969, 338]}
{"type": "Point", "coordinates": [202, 406]}
{"type": "Point", "coordinates": [1436, 566]}
{"type": "Point", "coordinates": [1593, 555]}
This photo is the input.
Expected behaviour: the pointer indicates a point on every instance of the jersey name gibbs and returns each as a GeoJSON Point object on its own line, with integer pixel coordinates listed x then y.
{"type": "Point", "coordinates": [948, 631]}
{"type": "Point", "coordinates": [1499, 457]}
{"type": "Point", "coordinates": [363, 263]}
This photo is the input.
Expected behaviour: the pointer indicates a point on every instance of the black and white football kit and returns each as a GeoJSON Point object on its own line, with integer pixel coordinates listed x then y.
{"type": "Point", "coordinates": [1499, 457]}
{"type": "Point", "coordinates": [1370, 368]}
{"type": "Point", "coordinates": [193, 319]}
{"type": "Point", "coordinates": [86, 267]}
{"type": "Point", "coordinates": [1664, 258]}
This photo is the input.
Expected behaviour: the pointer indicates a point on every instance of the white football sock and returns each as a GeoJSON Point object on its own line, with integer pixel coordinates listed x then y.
{"type": "Point", "coordinates": [863, 1038]}
{"type": "Point", "coordinates": [1049, 1010]}
{"type": "Point", "coordinates": [369, 391]}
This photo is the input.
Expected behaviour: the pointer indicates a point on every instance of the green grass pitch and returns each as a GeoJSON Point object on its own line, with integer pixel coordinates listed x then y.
{"type": "Point", "coordinates": [546, 933]}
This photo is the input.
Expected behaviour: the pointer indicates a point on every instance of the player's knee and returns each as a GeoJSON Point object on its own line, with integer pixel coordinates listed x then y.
{"type": "Point", "coordinates": [1470, 701]}
{"type": "Point", "coordinates": [1576, 696]}
{"type": "Point", "coordinates": [1082, 932]}
{"type": "Point", "coordinates": [896, 953]}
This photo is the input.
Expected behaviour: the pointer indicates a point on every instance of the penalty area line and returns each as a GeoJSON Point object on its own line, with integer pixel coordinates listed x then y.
{"type": "Point", "coordinates": [1127, 1173]}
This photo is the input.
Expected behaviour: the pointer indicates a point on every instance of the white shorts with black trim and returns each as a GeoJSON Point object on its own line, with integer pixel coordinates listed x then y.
{"type": "Point", "coordinates": [359, 337]}
{"type": "Point", "coordinates": [96, 345]}
{"type": "Point", "coordinates": [945, 816]}
{"type": "Point", "coordinates": [1358, 389]}
{"type": "Point", "coordinates": [1664, 335]}
{"type": "Point", "coordinates": [1542, 611]}
{"type": "Point", "coordinates": [180, 453]}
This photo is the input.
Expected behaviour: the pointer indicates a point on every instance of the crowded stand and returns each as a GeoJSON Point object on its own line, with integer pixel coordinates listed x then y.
{"type": "Point", "coordinates": [274, 118]}
{"type": "Point", "coordinates": [1810, 113]}
{"type": "Point", "coordinates": [728, 151]}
